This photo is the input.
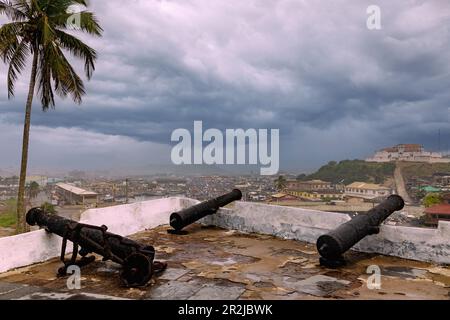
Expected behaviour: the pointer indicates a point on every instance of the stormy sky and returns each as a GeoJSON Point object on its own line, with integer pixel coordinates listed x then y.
{"type": "Point", "coordinates": [334, 88]}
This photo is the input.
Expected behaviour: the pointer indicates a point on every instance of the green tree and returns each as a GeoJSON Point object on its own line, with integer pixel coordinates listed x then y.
{"type": "Point", "coordinates": [280, 183]}
{"type": "Point", "coordinates": [38, 29]}
{"type": "Point", "coordinates": [8, 217]}
{"type": "Point", "coordinates": [48, 208]}
{"type": "Point", "coordinates": [33, 190]}
{"type": "Point", "coordinates": [432, 199]}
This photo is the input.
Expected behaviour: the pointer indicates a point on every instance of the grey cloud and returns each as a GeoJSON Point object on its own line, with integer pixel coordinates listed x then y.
{"type": "Point", "coordinates": [310, 68]}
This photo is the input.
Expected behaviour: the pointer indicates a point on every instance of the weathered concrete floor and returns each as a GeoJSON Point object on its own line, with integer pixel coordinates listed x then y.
{"type": "Point", "coordinates": [211, 263]}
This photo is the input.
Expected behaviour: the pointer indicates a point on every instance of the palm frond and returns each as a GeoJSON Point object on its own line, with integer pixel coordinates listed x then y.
{"type": "Point", "coordinates": [38, 26]}
{"type": "Point", "coordinates": [16, 65]}
{"type": "Point", "coordinates": [9, 39]}
{"type": "Point", "coordinates": [46, 31]}
{"type": "Point", "coordinates": [23, 6]}
{"type": "Point", "coordinates": [78, 49]}
{"type": "Point", "coordinates": [44, 79]}
{"type": "Point", "coordinates": [56, 7]}
{"type": "Point", "coordinates": [81, 2]}
{"type": "Point", "coordinates": [54, 65]}
{"type": "Point", "coordinates": [85, 20]}
{"type": "Point", "coordinates": [12, 10]}
{"type": "Point", "coordinates": [70, 82]}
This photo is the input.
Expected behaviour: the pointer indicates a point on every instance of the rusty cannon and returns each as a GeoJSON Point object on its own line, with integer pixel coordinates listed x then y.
{"type": "Point", "coordinates": [136, 259]}
{"type": "Point", "coordinates": [183, 218]}
{"type": "Point", "coordinates": [334, 244]}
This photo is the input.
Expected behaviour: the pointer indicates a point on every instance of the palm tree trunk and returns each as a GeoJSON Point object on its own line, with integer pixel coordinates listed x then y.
{"type": "Point", "coordinates": [21, 224]}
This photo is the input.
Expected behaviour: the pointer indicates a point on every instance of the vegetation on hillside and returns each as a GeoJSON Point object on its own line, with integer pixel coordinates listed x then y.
{"type": "Point", "coordinates": [349, 171]}
{"type": "Point", "coordinates": [423, 170]}
{"type": "Point", "coordinates": [431, 199]}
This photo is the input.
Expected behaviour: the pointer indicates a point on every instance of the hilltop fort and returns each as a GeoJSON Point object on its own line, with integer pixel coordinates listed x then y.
{"type": "Point", "coordinates": [408, 152]}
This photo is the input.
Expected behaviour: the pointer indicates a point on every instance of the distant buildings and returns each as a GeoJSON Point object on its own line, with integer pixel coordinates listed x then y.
{"type": "Point", "coordinates": [436, 213]}
{"type": "Point", "coordinates": [407, 152]}
{"type": "Point", "coordinates": [360, 191]}
{"type": "Point", "coordinates": [8, 187]}
{"type": "Point", "coordinates": [280, 197]}
{"type": "Point", "coordinates": [308, 185]}
{"type": "Point", "coordinates": [446, 198]}
{"type": "Point", "coordinates": [430, 189]}
{"type": "Point", "coordinates": [441, 179]}
{"type": "Point", "coordinates": [75, 196]}
{"type": "Point", "coordinates": [318, 190]}
{"type": "Point", "coordinates": [315, 190]}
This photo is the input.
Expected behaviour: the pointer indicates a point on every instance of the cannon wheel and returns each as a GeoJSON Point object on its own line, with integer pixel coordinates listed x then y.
{"type": "Point", "coordinates": [137, 270]}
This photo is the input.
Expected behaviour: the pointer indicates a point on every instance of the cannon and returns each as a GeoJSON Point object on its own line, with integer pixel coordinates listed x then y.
{"type": "Point", "coordinates": [136, 259]}
{"type": "Point", "coordinates": [183, 218]}
{"type": "Point", "coordinates": [332, 245]}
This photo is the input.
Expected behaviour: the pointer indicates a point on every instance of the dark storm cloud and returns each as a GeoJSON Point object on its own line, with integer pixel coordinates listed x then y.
{"type": "Point", "coordinates": [310, 68]}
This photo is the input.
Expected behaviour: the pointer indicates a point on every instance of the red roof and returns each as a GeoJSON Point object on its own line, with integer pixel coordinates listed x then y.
{"type": "Point", "coordinates": [439, 209]}
{"type": "Point", "coordinates": [407, 147]}
{"type": "Point", "coordinates": [410, 145]}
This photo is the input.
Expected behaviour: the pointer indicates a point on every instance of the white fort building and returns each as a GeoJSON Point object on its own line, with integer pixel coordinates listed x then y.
{"type": "Point", "coordinates": [408, 152]}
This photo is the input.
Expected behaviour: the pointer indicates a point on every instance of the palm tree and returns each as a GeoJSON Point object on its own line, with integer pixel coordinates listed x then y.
{"type": "Point", "coordinates": [280, 183]}
{"type": "Point", "coordinates": [33, 190]}
{"type": "Point", "coordinates": [38, 29]}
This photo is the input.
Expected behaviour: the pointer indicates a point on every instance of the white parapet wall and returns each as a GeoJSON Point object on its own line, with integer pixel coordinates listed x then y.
{"type": "Point", "coordinates": [39, 246]}
{"type": "Point", "coordinates": [280, 221]}
{"type": "Point", "coordinates": [28, 248]}
{"type": "Point", "coordinates": [423, 244]}
{"type": "Point", "coordinates": [128, 219]}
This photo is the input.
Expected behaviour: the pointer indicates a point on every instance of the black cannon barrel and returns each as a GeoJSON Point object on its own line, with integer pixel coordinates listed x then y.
{"type": "Point", "coordinates": [136, 259]}
{"type": "Point", "coordinates": [331, 246]}
{"type": "Point", "coordinates": [183, 218]}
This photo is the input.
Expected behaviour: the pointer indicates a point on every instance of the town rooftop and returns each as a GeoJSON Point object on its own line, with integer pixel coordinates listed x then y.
{"type": "Point", "coordinates": [75, 190]}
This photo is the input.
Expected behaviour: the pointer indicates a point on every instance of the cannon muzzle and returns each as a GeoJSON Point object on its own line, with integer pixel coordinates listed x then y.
{"type": "Point", "coordinates": [331, 246]}
{"type": "Point", "coordinates": [183, 218]}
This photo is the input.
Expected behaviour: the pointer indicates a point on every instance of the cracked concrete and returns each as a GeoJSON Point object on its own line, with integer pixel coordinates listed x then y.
{"type": "Point", "coordinates": [213, 263]}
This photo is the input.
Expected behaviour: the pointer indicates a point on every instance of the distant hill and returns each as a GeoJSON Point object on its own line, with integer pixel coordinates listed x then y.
{"type": "Point", "coordinates": [348, 171]}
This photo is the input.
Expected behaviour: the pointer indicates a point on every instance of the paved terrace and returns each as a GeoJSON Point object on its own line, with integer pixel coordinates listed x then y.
{"type": "Point", "coordinates": [217, 263]}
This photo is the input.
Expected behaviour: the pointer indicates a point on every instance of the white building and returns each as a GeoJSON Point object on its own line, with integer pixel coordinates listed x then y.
{"type": "Point", "coordinates": [407, 152]}
{"type": "Point", "coordinates": [368, 191]}
{"type": "Point", "coordinates": [74, 195]}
